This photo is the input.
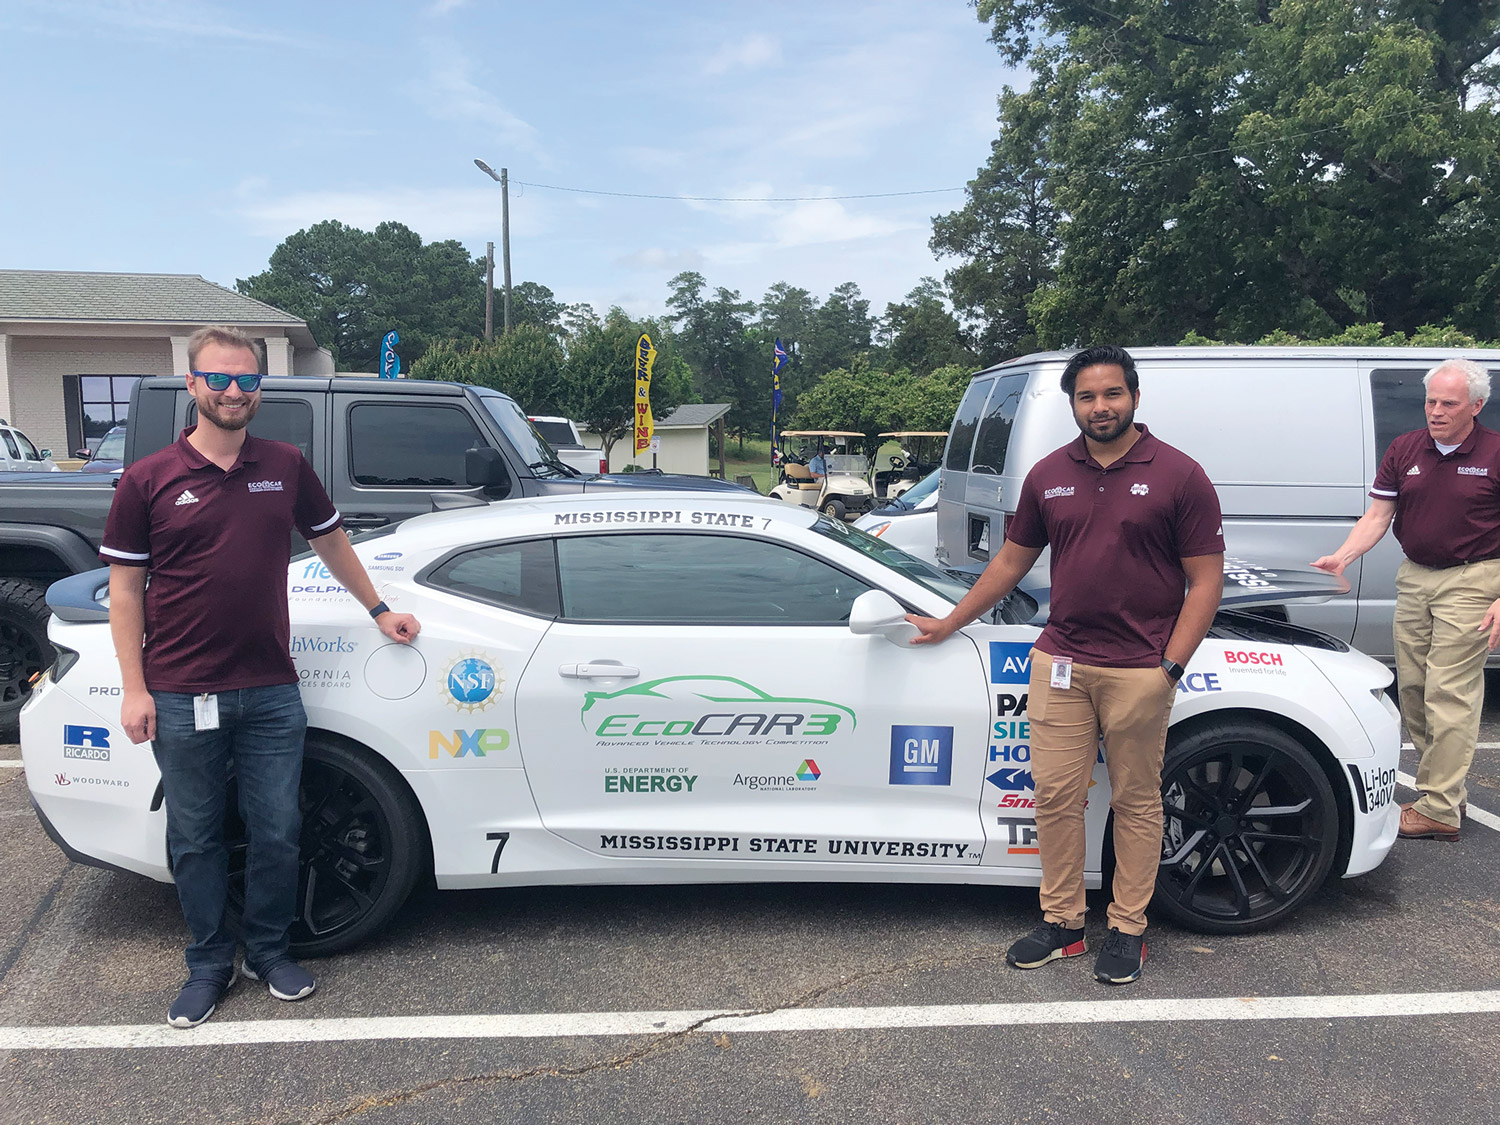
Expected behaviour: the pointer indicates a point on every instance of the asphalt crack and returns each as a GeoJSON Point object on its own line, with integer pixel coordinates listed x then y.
{"type": "Point", "coordinates": [657, 1046]}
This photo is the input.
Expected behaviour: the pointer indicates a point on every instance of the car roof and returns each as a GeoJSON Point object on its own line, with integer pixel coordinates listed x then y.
{"type": "Point", "coordinates": [509, 519]}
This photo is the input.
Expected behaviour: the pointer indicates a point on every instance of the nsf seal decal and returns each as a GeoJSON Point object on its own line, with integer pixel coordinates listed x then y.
{"type": "Point", "coordinates": [470, 682]}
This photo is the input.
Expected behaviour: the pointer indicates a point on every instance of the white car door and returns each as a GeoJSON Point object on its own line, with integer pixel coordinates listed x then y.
{"type": "Point", "coordinates": [701, 697]}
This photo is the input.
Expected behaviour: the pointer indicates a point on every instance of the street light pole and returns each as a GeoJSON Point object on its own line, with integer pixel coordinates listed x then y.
{"type": "Point", "coordinates": [503, 179]}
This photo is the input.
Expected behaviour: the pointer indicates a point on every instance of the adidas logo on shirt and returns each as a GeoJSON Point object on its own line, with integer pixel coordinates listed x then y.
{"type": "Point", "coordinates": [187, 497]}
{"type": "Point", "coordinates": [1414, 471]}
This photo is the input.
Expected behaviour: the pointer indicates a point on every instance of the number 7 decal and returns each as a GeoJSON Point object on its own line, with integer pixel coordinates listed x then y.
{"type": "Point", "coordinates": [503, 837]}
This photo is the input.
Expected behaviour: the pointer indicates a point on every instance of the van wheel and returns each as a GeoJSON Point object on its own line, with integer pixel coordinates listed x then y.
{"type": "Point", "coordinates": [24, 649]}
{"type": "Point", "coordinates": [363, 849]}
{"type": "Point", "coordinates": [834, 509]}
{"type": "Point", "coordinates": [1250, 828]}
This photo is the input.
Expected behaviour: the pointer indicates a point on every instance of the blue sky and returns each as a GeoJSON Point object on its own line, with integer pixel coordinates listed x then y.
{"type": "Point", "coordinates": [191, 136]}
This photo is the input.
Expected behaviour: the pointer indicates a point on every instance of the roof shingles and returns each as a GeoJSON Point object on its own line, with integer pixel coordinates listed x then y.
{"type": "Point", "coordinates": [165, 298]}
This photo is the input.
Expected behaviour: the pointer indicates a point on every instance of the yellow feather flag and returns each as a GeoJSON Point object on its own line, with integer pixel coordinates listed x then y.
{"type": "Point", "coordinates": [645, 425]}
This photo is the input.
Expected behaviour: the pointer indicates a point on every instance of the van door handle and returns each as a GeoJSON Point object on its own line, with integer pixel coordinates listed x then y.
{"type": "Point", "coordinates": [598, 672]}
{"type": "Point", "coordinates": [366, 520]}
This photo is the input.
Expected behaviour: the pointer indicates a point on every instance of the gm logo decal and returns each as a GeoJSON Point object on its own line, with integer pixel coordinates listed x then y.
{"type": "Point", "coordinates": [921, 755]}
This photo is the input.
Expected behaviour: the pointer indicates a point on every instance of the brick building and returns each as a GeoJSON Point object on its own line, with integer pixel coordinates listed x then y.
{"type": "Point", "coordinates": [73, 344]}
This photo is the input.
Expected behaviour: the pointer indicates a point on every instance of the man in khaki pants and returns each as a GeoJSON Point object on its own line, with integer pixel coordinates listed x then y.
{"type": "Point", "coordinates": [1442, 486]}
{"type": "Point", "coordinates": [1131, 522]}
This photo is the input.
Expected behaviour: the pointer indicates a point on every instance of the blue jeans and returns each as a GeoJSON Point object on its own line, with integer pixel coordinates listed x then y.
{"type": "Point", "coordinates": [260, 734]}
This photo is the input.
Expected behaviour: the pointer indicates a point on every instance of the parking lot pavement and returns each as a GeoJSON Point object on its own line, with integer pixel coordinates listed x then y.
{"type": "Point", "coordinates": [84, 947]}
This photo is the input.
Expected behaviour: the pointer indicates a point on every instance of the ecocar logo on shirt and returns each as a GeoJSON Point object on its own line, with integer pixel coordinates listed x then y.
{"type": "Point", "coordinates": [711, 710]}
{"type": "Point", "coordinates": [921, 755]}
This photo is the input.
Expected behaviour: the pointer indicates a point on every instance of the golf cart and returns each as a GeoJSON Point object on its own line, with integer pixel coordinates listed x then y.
{"type": "Point", "coordinates": [844, 492]}
{"type": "Point", "coordinates": [921, 454]}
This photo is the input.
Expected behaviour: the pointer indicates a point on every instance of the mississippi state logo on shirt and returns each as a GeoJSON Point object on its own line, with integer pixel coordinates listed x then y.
{"type": "Point", "coordinates": [1139, 489]}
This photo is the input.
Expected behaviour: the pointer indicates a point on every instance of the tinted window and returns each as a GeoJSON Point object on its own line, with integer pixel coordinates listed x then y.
{"type": "Point", "coordinates": [529, 445]}
{"type": "Point", "coordinates": [558, 434]}
{"type": "Point", "coordinates": [10, 444]}
{"type": "Point", "coordinates": [106, 402]}
{"type": "Point", "coordinates": [291, 422]}
{"type": "Point", "coordinates": [961, 433]}
{"type": "Point", "coordinates": [699, 578]}
{"type": "Point", "coordinates": [994, 429]}
{"type": "Point", "coordinates": [112, 448]}
{"type": "Point", "coordinates": [28, 451]}
{"type": "Point", "coordinates": [410, 444]}
{"type": "Point", "coordinates": [1397, 396]}
{"type": "Point", "coordinates": [515, 575]}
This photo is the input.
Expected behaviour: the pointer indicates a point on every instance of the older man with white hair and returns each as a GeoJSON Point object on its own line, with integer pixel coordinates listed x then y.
{"type": "Point", "coordinates": [1442, 486]}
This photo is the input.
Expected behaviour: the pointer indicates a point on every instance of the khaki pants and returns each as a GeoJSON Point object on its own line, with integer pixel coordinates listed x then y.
{"type": "Point", "coordinates": [1440, 656]}
{"type": "Point", "coordinates": [1130, 706]}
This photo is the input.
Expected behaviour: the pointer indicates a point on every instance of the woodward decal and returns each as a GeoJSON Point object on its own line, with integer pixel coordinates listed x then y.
{"type": "Point", "coordinates": [709, 711]}
{"type": "Point", "coordinates": [795, 846]}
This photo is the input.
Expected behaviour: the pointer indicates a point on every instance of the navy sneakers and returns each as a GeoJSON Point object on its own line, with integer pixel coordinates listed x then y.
{"type": "Point", "coordinates": [1120, 958]}
{"type": "Point", "coordinates": [199, 997]}
{"type": "Point", "coordinates": [286, 980]}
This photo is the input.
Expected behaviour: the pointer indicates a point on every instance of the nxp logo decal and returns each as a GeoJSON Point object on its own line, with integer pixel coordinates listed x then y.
{"type": "Point", "coordinates": [1010, 662]}
{"type": "Point", "coordinates": [921, 755]}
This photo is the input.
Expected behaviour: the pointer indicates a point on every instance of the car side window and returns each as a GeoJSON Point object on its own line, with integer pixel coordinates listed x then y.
{"type": "Point", "coordinates": [519, 576]}
{"type": "Point", "coordinates": [10, 445]}
{"type": "Point", "coordinates": [410, 445]}
{"type": "Point", "coordinates": [1397, 395]}
{"type": "Point", "coordinates": [699, 579]}
{"type": "Point", "coordinates": [275, 420]}
{"type": "Point", "coordinates": [961, 433]}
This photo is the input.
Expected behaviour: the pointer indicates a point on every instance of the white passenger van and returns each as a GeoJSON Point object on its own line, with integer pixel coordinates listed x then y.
{"type": "Point", "coordinates": [1290, 437]}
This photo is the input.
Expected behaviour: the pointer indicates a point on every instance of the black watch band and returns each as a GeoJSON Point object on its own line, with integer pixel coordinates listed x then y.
{"type": "Point", "coordinates": [378, 608]}
{"type": "Point", "coordinates": [1173, 669]}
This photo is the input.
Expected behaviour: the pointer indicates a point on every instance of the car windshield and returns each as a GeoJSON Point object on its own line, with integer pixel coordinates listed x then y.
{"type": "Point", "coordinates": [28, 451]}
{"type": "Point", "coordinates": [539, 457]}
{"type": "Point", "coordinates": [112, 448]}
{"type": "Point", "coordinates": [557, 434]}
{"type": "Point", "coordinates": [923, 488]}
{"type": "Point", "coordinates": [925, 574]}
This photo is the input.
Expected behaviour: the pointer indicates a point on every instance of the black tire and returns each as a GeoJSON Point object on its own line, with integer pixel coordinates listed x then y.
{"type": "Point", "coordinates": [1251, 828]}
{"type": "Point", "coordinates": [833, 509]}
{"type": "Point", "coordinates": [363, 849]}
{"type": "Point", "coordinates": [24, 649]}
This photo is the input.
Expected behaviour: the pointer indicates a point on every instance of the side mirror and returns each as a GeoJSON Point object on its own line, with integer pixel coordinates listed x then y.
{"type": "Point", "coordinates": [876, 613]}
{"type": "Point", "coordinates": [46, 455]}
{"type": "Point", "coordinates": [484, 467]}
{"type": "Point", "coordinates": [83, 453]}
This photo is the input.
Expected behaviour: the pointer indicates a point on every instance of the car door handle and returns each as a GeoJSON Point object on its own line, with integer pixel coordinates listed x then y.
{"type": "Point", "coordinates": [597, 671]}
{"type": "Point", "coordinates": [363, 521]}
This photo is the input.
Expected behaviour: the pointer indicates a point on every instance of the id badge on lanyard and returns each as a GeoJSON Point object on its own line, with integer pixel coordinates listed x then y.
{"type": "Point", "coordinates": [1062, 672]}
{"type": "Point", "coordinates": [205, 712]}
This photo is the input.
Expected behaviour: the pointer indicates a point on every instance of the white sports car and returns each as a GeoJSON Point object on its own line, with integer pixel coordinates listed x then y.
{"type": "Point", "coordinates": [691, 688]}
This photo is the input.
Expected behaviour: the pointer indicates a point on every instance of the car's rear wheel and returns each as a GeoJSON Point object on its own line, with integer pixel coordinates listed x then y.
{"type": "Point", "coordinates": [24, 649]}
{"type": "Point", "coordinates": [363, 849]}
{"type": "Point", "coordinates": [1250, 832]}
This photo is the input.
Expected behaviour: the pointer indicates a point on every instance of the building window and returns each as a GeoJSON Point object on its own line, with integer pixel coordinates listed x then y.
{"type": "Point", "coordinates": [105, 401]}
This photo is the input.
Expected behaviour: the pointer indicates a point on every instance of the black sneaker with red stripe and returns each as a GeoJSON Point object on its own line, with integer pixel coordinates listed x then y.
{"type": "Point", "coordinates": [1120, 958]}
{"type": "Point", "coordinates": [1048, 942]}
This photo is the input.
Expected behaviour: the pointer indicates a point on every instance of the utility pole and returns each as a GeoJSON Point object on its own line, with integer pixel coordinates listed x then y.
{"type": "Point", "coordinates": [505, 238]}
{"type": "Point", "coordinates": [489, 290]}
{"type": "Point", "coordinates": [503, 178]}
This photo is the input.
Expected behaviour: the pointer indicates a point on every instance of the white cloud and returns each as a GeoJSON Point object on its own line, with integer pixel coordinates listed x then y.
{"type": "Point", "coordinates": [449, 92]}
{"type": "Point", "coordinates": [443, 7]}
{"type": "Point", "coordinates": [175, 20]}
{"type": "Point", "coordinates": [755, 52]}
{"type": "Point", "coordinates": [657, 258]}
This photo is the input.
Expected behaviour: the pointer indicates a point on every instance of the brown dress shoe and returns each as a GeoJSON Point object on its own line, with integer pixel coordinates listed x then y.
{"type": "Point", "coordinates": [1463, 807]}
{"type": "Point", "coordinates": [1417, 826]}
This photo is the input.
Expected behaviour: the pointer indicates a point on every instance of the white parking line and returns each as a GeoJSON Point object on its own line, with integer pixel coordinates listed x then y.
{"type": "Point", "coordinates": [1477, 815]}
{"type": "Point", "coordinates": [567, 1025]}
{"type": "Point", "coordinates": [1477, 746]}
{"type": "Point", "coordinates": [11, 763]}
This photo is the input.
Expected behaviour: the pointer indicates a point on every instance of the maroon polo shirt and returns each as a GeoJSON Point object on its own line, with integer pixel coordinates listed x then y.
{"type": "Point", "coordinates": [1118, 538]}
{"type": "Point", "coordinates": [1447, 506]}
{"type": "Point", "coordinates": [217, 544]}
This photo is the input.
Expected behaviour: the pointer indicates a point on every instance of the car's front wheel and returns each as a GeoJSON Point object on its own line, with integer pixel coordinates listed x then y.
{"type": "Point", "coordinates": [363, 849]}
{"type": "Point", "coordinates": [1251, 828]}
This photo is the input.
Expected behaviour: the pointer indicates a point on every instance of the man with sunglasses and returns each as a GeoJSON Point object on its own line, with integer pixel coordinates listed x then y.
{"type": "Point", "coordinates": [205, 659]}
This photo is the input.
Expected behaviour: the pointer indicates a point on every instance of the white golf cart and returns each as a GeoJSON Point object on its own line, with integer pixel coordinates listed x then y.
{"type": "Point", "coordinates": [921, 454]}
{"type": "Point", "coordinates": [843, 491]}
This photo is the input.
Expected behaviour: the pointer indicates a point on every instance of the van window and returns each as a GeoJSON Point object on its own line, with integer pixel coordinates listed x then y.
{"type": "Point", "coordinates": [961, 434]}
{"type": "Point", "coordinates": [1397, 394]}
{"type": "Point", "coordinates": [994, 430]}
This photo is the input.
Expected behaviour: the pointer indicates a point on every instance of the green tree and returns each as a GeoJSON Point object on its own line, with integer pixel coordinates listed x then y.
{"type": "Point", "coordinates": [840, 331]}
{"type": "Point", "coordinates": [714, 335]}
{"type": "Point", "coordinates": [1239, 167]}
{"type": "Point", "coordinates": [921, 334]}
{"type": "Point", "coordinates": [354, 286]}
{"type": "Point", "coordinates": [533, 303]}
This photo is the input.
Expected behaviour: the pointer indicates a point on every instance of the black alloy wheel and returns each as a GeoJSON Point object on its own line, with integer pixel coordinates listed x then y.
{"type": "Point", "coordinates": [24, 649]}
{"type": "Point", "coordinates": [363, 847]}
{"type": "Point", "coordinates": [1250, 831]}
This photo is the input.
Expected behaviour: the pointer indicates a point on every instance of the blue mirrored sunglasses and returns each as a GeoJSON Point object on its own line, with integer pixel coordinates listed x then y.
{"type": "Point", "coordinates": [218, 381]}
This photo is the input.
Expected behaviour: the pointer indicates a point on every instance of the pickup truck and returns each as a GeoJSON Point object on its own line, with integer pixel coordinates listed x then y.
{"type": "Point", "coordinates": [385, 449]}
{"type": "Point", "coordinates": [562, 435]}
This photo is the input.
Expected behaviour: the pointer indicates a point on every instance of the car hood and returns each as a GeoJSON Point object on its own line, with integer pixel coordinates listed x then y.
{"type": "Point", "coordinates": [654, 480]}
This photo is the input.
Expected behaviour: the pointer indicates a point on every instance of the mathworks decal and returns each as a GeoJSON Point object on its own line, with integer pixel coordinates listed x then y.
{"type": "Point", "coordinates": [710, 711]}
